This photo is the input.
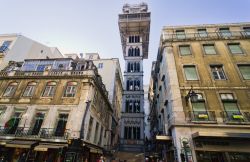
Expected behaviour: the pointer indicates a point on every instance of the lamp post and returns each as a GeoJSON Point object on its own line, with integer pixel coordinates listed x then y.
{"type": "Point", "coordinates": [192, 95]}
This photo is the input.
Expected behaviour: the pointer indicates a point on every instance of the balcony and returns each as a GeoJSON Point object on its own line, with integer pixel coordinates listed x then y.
{"type": "Point", "coordinates": [26, 132]}
{"type": "Point", "coordinates": [206, 36]}
{"type": "Point", "coordinates": [131, 145]}
{"type": "Point", "coordinates": [236, 117]}
{"type": "Point", "coordinates": [202, 116]}
{"type": "Point", "coordinates": [134, 16]}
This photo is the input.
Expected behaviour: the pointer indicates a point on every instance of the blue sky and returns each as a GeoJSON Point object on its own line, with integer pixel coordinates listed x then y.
{"type": "Point", "coordinates": [92, 25]}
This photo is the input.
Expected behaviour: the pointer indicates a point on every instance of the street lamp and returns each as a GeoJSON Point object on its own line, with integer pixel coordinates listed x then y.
{"type": "Point", "coordinates": [192, 95]}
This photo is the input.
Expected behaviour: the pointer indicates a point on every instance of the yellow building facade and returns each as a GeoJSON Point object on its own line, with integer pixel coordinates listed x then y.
{"type": "Point", "coordinates": [202, 91]}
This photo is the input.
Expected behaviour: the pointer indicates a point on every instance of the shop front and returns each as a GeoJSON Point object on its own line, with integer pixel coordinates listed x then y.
{"type": "Point", "coordinates": [222, 147]}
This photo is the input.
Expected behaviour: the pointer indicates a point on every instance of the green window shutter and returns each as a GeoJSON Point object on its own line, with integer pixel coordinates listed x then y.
{"type": "Point", "coordinates": [245, 71]}
{"type": "Point", "coordinates": [185, 50]}
{"type": "Point", "coordinates": [209, 49]}
{"type": "Point", "coordinates": [235, 48]}
{"type": "Point", "coordinates": [190, 73]}
{"type": "Point", "coordinates": [198, 106]}
{"type": "Point", "coordinates": [231, 106]}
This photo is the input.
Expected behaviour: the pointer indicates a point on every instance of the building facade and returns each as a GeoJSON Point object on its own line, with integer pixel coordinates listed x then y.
{"type": "Point", "coordinates": [110, 71]}
{"type": "Point", "coordinates": [15, 47]}
{"type": "Point", "coordinates": [201, 88]}
{"type": "Point", "coordinates": [53, 110]}
{"type": "Point", "coordinates": [134, 25]}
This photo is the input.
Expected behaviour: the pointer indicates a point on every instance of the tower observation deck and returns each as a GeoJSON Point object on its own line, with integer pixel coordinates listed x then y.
{"type": "Point", "coordinates": [134, 26]}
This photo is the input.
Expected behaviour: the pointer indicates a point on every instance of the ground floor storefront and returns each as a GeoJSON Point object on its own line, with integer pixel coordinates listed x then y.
{"type": "Point", "coordinates": [37, 151]}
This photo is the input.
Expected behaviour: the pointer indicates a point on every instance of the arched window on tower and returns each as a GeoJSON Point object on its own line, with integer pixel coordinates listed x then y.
{"type": "Point", "coordinates": [138, 67]}
{"type": "Point", "coordinates": [137, 51]}
{"type": "Point", "coordinates": [130, 51]}
{"type": "Point", "coordinates": [136, 106]}
{"type": "Point", "coordinates": [128, 69]}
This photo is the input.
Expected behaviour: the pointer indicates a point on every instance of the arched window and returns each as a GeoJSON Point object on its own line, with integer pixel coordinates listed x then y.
{"type": "Point", "coordinates": [136, 106]}
{"type": "Point", "coordinates": [50, 89]}
{"type": "Point", "coordinates": [128, 84]}
{"type": "Point", "coordinates": [138, 67]}
{"type": "Point", "coordinates": [128, 68]}
{"type": "Point", "coordinates": [10, 90]}
{"type": "Point", "coordinates": [137, 51]}
{"type": "Point", "coordinates": [137, 85]}
{"type": "Point", "coordinates": [130, 51]}
{"type": "Point", "coordinates": [70, 90]}
{"type": "Point", "coordinates": [30, 89]}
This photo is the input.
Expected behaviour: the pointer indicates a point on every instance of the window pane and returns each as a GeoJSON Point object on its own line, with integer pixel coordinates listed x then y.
{"type": "Point", "coordinates": [247, 30]}
{"type": "Point", "coordinates": [225, 32]}
{"type": "Point", "coordinates": [209, 49]}
{"type": "Point", "coordinates": [218, 72]}
{"type": "Point", "coordinates": [235, 48]}
{"type": "Point", "coordinates": [230, 106]}
{"type": "Point", "coordinates": [185, 50]}
{"type": "Point", "coordinates": [245, 71]}
{"type": "Point", "coordinates": [190, 73]}
{"type": "Point", "coordinates": [198, 106]}
{"type": "Point", "coordinates": [180, 34]}
{"type": "Point", "coordinates": [202, 32]}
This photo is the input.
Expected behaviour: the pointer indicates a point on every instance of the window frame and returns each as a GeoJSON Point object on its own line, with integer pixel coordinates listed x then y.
{"type": "Point", "coordinates": [196, 71]}
{"type": "Point", "coordinates": [202, 29]}
{"type": "Point", "coordinates": [209, 44]}
{"type": "Point", "coordinates": [72, 88]}
{"type": "Point", "coordinates": [178, 35]}
{"type": "Point", "coordinates": [185, 45]}
{"type": "Point", "coordinates": [241, 75]}
{"type": "Point", "coordinates": [53, 87]}
{"type": "Point", "coordinates": [13, 87]}
{"type": "Point", "coordinates": [31, 91]}
{"type": "Point", "coordinates": [235, 43]}
{"type": "Point", "coordinates": [217, 71]}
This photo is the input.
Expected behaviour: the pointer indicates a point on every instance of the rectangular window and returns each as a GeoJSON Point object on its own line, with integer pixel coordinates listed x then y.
{"type": "Point", "coordinates": [190, 72]}
{"type": "Point", "coordinates": [180, 34]}
{"type": "Point", "coordinates": [245, 71]}
{"type": "Point", "coordinates": [38, 123]}
{"type": "Point", "coordinates": [185, 50]}
{"type": "Point", "coordinates": [235, 48]}
{"type": "Point", "coordinates": [209, 49]}
{"type": "Point", "coordinates": [100, 65]}
{"type": "Point", "coordinates": [30, 89]}
{"type": "Point", "coordinates": [61, 125]}
{"type": "Point", "coordinates": [218, 72]}
{"type": "Point", "coordinates": [96, 132]}
{"type": "Point", "coordinates": [49, 91]}
{"type": "Point", "coordinates": [225, 32]}
{"type": "Point", "coordinates": [13, 123]}
{"type": "Point", "coordinates": [5, 46]}
{"type": "Point", "coordinates": [89, 128]}
{"type": "Point", "coordinates": [202, 32]}
{"type": "Point", "coordinates": [247, 31]}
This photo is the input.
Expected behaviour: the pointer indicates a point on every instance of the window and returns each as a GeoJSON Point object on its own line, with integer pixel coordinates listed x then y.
{"type": "Point", "coordinates": [12, 124]}
{"type": "Point", "coordinates": [132, 133]}
{"type": "Point", "coordinates": [209, 49]}
{"type": "Point", "coordinates": [202, 32]}
{"type": "Point", "coordinates": [5, 46]}
{"type": "Point", "coordinates": [10, 90]}
{"type": "Point", "coordinates": [70, 90]}
{"type": "Point", "coordinates": [245, 71]}
{"type": "Point", "coordinates": [231, 108]}
{"type": "Point", "coordinates": [90, 128]}
{"type": "Point", "coordinates": [38, 123]}
{"type": "Point", "coordinates": [225, 32]}
{"type": "Point", "coordinates": [96, 132]}
{"type": "Point", "coordinates": [61, 125]}
{"type": "Point", "coordinates": [29, 90]}
{"type": "Point", "coordinates": [247, 31]}
{"type": "Point", "coordinates": [235, 48]}
{"type": "Point", "coordinates": [190, 72]}
{"type": "Point", "coordinates": [180, 34]}
{"type": "Point", "coordinates": [49, 90]}
{"type": "Point", "coordinates": [134, 39]}
{"type": "Point", "coordinates": [100, 65]}
{"type": "Point", "coordinates": [185, 50]}
{"type": "Point", "coordinates": [218, 72]}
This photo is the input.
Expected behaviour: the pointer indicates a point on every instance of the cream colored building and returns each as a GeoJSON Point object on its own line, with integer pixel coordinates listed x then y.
{"type": "Point", "coordinates": [201, 92]}
{"type": "Point", "coordinates": [16, 47]}
{"type": "Point", "coordinates": [51, 107]}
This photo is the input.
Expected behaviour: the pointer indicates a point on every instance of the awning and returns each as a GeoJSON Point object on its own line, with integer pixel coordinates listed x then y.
{"type": "Point", "coordinates": [46, 146]}
{"type": "Point", "coordinates": [21, 144]}
{"type": "Point", "coordinates": [95, 150]}
{"type": "Point", "coordinates": [221, 135]}
{"type": "Point", "coordinates": [163, 138]}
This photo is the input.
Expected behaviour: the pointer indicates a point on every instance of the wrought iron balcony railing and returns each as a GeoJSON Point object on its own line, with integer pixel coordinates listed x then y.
{"type": "Point", "coordinates": [206, 36]}
{"type": "Point", "coordinates": [202, 116]}
{"type": "Point", "coordinates": [134, 16]}
{"type": "Point", "coordinates": [26, 132]}
{"type": "Point", "coordinates": [236, 116]}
